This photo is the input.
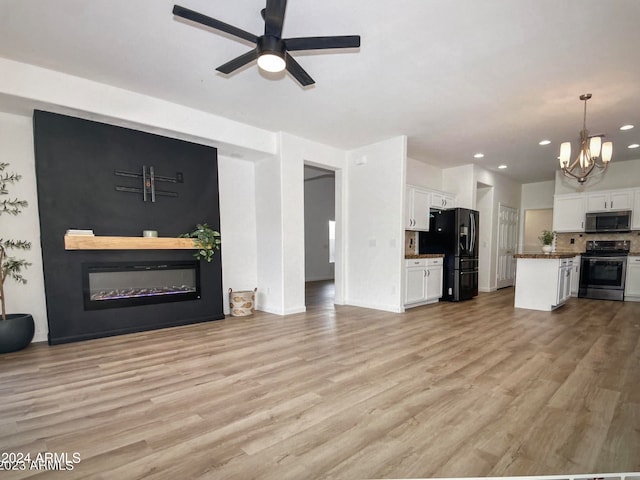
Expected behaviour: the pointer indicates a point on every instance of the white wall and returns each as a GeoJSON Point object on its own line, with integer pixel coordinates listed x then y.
{"type": "Point", "coordinates": [460, 181]}
{"type": "Point", "coordinates": [269, 233]}
{"type": "Point", "coordinates": [617, 175]}
{"type": "Point", "coordinates": [424, 175]}
{"type": "Point", "coordinates": [375, 230]}
{"type": "Point", "coordinates": [16, 148]}
{"type": "Point", "coordinates": [319, 209]}
{"type": "Point", "coordinates": [62, 93]}
{"type": "Point", "coordinates": [237, 225]}
{"type": "Point", "coordinates": [538, 195]}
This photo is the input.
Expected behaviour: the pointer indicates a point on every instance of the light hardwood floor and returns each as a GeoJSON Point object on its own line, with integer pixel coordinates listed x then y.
{"type": "Point", "coordinates": [454, 389]}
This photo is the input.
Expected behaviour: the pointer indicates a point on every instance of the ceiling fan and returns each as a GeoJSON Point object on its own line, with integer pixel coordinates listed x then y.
{"type": "Point", "coordinates": [271, 51]}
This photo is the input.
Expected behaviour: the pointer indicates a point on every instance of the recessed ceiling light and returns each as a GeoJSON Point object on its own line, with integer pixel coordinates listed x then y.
{"type": "Point", "coordinates": [634, 145]}
{"type": "Point", "coordinates": [544, 142]}
{"type": "Point", "coordinates": [502, 167]}
{"type": "Point", "coordinates": [478, 155]}
{"type": "Point", "coordinates": [626, 127]}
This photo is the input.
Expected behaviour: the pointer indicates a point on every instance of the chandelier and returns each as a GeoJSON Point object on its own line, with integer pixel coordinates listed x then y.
{"type": "Point", "coordinates": [593, 153]}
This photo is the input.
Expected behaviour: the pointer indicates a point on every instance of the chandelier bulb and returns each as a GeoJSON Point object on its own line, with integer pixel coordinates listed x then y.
{"type": "Point", "coordinates": [594, 146]}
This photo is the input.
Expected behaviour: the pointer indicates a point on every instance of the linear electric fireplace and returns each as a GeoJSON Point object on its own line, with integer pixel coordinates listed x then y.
{"type": "Point", "coordinates": [120, 284]}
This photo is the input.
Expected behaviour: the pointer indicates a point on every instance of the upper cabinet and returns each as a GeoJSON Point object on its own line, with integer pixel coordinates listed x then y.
{"type": "Point", "coordinates": [568, 212]}
{"type": "Point", "coordinates": [609, 200]}
{"type": "Point", "coordinates": [417, 209]}
{"type": "Point", "coordinates": [419, 202]}
{"type": "Point", "coordinates": [442, 200]}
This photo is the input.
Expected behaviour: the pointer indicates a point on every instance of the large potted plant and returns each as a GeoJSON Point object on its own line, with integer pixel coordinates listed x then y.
{"type": "Point", "coordinates": [16, 329]}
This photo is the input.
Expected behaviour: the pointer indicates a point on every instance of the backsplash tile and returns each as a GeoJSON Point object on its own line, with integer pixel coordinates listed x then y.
{"type": "Point", "coordinates": [563, 240]}
{"type": "Point", "coordinates": [410, 242]}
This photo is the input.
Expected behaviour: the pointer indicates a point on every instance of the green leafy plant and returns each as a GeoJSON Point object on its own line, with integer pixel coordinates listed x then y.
{"type": "Point", "coordinates": [546, 238]}
{"type": "Point", "coordinates": [207, 241]}
{"type": "Point", "coordinates": [10, 267]}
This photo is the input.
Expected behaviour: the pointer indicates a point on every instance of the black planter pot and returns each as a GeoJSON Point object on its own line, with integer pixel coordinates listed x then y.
{"type": "Point", "coordinates": [16, 332]}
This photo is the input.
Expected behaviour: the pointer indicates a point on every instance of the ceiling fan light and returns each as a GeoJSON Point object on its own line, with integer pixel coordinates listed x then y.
{"type": "Point", "coordinates": [607, 151]}
{"type": "Point", "coordinates": [271, 62]}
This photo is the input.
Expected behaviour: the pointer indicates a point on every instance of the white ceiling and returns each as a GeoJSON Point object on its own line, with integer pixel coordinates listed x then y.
{"type": "Point", "coordinates": [456, 76]}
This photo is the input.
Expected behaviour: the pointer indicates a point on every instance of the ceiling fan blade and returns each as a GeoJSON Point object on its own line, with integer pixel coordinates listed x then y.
{"type": "Point", "coordinates": [297, 71]}
{"type": "Point", "coordinates": [213, 23]}
{"type": "Point", "coordinates": [238, 62]}
{"type": "Point", "coordinates": [274, 17]}
{"type": "Point", "coordinates": [319, 43]}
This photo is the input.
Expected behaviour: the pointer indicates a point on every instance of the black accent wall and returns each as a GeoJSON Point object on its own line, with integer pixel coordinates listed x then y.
{"type": "Point", "coordinates": [75, 164]}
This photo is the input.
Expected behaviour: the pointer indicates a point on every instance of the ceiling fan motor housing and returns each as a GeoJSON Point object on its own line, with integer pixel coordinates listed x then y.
{"type": "Point", "coordinates": [272, 45]}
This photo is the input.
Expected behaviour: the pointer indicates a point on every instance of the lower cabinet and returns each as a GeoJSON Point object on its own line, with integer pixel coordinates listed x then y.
{"type": "Point", "coordinates": [543, 284]}
{"type": "Point", "coordinates": [632, 282]}
{"type": "Point", "coordinates": [575, 276]}
{"type": "Point", "coordinates": [423, 281]}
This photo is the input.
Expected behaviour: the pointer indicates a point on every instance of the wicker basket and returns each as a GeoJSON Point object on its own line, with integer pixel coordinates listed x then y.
{"type": "Point", "coordinates": [242, 302]}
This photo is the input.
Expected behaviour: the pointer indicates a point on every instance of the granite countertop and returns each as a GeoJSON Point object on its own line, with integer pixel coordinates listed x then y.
{"type": "Point", "coordinates": [424, 255]}
{"type": "Point", "coordinates": [634, 254]}
{"type": "Point", "coordinates": [546, 256]}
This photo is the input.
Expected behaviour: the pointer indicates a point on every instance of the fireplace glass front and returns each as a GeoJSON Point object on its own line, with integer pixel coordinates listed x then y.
{"type": "Point", "coordinates": [117, 284]}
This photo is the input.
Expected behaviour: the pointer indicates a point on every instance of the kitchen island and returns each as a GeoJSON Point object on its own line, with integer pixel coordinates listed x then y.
{"type": "Point", "coordinates": [543, 280]}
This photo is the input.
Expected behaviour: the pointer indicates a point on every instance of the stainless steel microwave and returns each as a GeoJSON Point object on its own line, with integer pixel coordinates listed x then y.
{"type": "Point", "coordinates": [599, 222]}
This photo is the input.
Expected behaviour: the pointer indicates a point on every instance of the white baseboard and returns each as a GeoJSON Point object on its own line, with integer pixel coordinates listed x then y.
{"type": "Point", "coordinates": [487, 290]}
{"type": "Point", "coordinates": [277, 311]}
{"type": "Point", "coordinates": [378, 306]}
{"type": "Point", "coordinates": [40, 337]}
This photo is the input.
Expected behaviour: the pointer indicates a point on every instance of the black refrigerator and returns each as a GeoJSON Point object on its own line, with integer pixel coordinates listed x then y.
{"type": "Point", "coordinates": [454, 232]}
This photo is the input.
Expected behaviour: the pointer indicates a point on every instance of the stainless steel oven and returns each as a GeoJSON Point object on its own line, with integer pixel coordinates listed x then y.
{"type": "Point", "coordinates": [603, 269]}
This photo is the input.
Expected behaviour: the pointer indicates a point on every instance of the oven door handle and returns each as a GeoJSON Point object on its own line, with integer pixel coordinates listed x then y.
{"type": "Point", "coordinates": [605, 259]}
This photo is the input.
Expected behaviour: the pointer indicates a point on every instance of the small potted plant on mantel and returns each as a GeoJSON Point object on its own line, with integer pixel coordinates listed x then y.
{"type": "Point", "coordinates": [546, 238]}
{"type": "Point", "coordinates": [16, 329]}
{"type": "Point", "coordinates": [206, 239]}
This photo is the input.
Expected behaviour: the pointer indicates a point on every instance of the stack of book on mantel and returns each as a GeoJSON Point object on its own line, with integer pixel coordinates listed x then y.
{"type": "Point", "coordinates": [76, 231]}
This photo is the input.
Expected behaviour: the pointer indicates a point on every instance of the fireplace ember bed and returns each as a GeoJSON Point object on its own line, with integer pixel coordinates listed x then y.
{"type": "Point", "coordinates": [120, 284]}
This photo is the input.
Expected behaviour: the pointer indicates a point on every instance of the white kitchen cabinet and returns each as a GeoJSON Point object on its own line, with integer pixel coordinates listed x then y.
{"type": "Point", "coordinates": [632, 282]}
{"type": "Point", "coordinates": [568, 212]}
{"type": "Point", "coordinates": [543, 284]}
{"type": "Point", "coordinates": [565, 271]}
{"type": "Point", "coordinates": [575, 276]}
{"type": "Point", "coordinates": [610, 200]}
{"type": "Point", "coordinates": [423, 281]}
{"type": "Point", "coordinates": [415, 281]}
{"type": "Point", "coordinates": [442, 200]}
{"type": "Point", "coordinates": [434, 279]}
{"type": "Point", "coordinates": [635, 215]}
{"type": "Point", "coordinates": [418, 204]}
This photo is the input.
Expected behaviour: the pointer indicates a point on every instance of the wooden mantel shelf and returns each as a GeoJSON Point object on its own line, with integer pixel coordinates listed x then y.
{"type": "Point", "coordinates": [90, 242]}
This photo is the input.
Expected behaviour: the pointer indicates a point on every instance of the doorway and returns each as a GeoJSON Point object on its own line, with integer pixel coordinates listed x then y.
{"type": "Point", "coordinates": [320, 236]}
{"type": "Point", "coordinates": [535, 221]}
{"type": "Point", "coordinates": [507, 243]}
